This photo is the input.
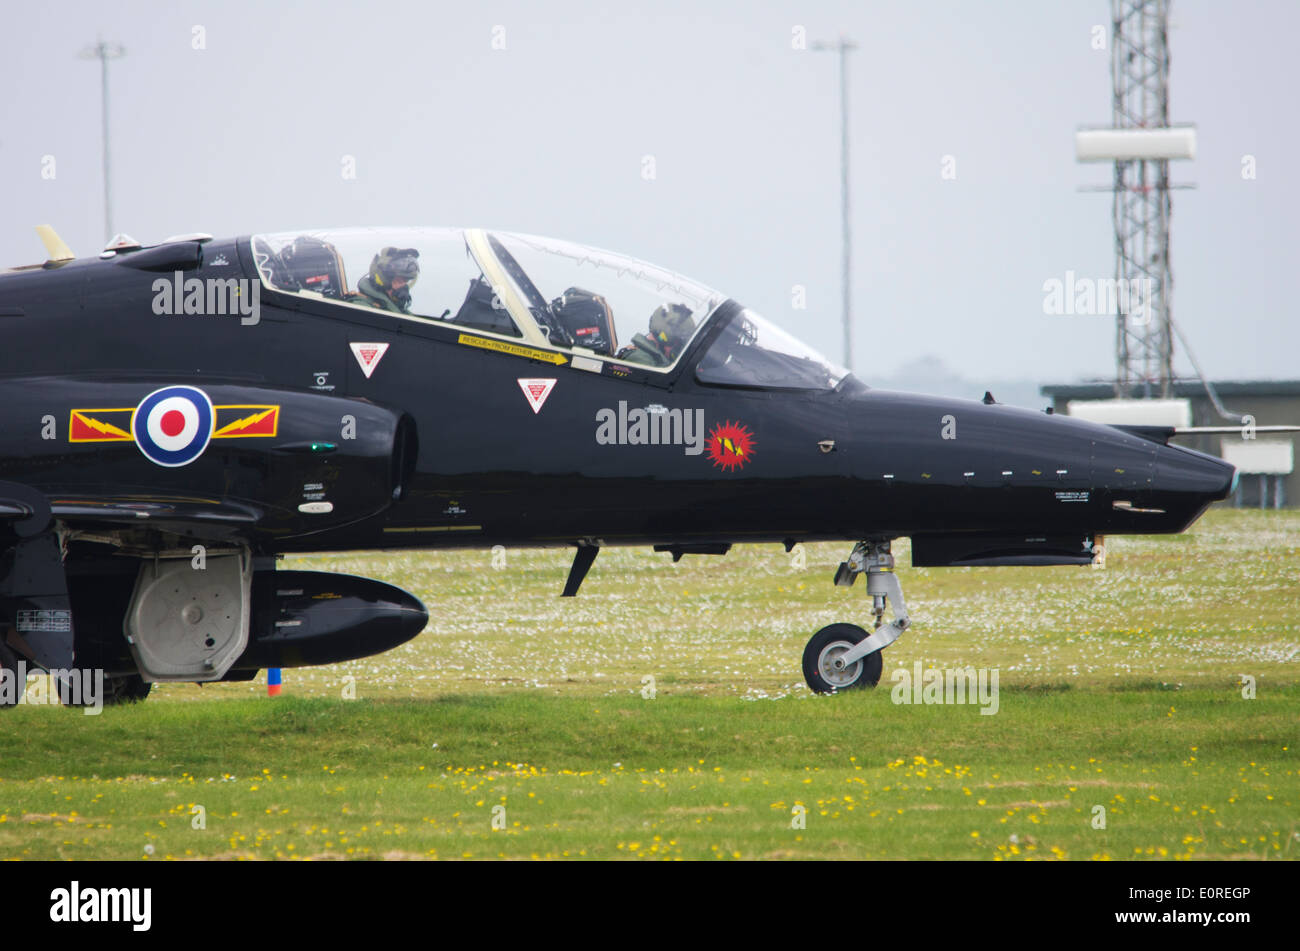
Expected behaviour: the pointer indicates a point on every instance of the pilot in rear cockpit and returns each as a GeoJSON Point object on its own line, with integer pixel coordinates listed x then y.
{"type": "Point", "coordinates": [671, 326]}
{"type": "Point", "coordinates": [388, 283]}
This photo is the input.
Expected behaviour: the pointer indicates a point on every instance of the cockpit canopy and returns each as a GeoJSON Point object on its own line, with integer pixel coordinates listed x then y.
{"type": "Point", "coordinates": [542, 291]}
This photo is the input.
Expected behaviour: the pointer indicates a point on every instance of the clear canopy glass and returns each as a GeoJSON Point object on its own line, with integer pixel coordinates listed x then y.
{"type": "Point", "coordinates": [449, 281]}
{"type": "Point", "coordinates": [548, 292]}
{"type": "Point", "coordinates": [751, 351]}
{"type": "Point", "coordinates": [554, 274]}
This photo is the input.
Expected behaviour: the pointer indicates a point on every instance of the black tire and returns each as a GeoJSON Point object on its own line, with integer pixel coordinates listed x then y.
{"type": "Point", "coordinates": [131, 688]}
{"type": "Point", "coordinates": [822, 647]}
{"type": "Point", "coordinates": [9, 662]}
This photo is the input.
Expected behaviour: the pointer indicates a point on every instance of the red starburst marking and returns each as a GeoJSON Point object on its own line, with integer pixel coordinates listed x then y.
{"type": "Point", "coordinates": [731, 445]}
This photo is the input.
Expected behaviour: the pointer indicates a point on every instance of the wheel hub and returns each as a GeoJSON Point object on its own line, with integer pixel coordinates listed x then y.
{"type": "Point", "coordinates": [832, 668]}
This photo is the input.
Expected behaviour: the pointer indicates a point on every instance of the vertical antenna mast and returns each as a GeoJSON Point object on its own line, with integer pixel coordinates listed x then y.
{"type": "Point", "coordinates": [104, 52]}
{"type": "Point", "coordinates": [1141, 206]}
{"type": "Point", "coordinates": [1140, 142]}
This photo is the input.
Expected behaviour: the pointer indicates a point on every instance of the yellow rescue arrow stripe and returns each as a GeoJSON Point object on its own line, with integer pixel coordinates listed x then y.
{"type": "Point", "coordinates": [514, 349]}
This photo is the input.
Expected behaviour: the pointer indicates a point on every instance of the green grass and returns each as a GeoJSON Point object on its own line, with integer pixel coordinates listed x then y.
{"type": "Point", "coordinates": [1120, 688]}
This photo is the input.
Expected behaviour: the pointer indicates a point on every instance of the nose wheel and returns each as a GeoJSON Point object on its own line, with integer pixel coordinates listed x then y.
{"type": "Point", "coordinates": [824, 667]}
{"type": "Point", "coordinates": [844, 656]}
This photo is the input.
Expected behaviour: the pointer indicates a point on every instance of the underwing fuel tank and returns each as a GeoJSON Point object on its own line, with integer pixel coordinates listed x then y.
{"type": "Point", "coordinates": [304, 618]}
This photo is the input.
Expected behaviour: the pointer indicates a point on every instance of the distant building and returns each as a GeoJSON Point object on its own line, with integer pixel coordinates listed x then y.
{"type": "Point", "coordinates": [1266, 462]}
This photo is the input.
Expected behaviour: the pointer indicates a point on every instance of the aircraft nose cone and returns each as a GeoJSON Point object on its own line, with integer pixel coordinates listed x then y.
{"type": "Point", "coordinates": [1187, 482]}
{"type": "Point", "coordinates": [1186, 471]}
{"type": "Point", "coordinates": [412, 621]}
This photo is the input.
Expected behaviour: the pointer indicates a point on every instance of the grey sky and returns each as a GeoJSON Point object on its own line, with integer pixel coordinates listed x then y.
{"type": "Point", "coordinates": [549, 135]}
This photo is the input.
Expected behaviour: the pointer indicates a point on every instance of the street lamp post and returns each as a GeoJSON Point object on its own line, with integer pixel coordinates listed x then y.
{"type": "Point", "coordinates": [104, 52]}
{"type": "Point", "coordinates": [844, 46]}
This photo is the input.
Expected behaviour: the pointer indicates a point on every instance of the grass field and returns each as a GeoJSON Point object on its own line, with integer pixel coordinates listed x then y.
{"type": "Point", "coordinates": [662, 714]}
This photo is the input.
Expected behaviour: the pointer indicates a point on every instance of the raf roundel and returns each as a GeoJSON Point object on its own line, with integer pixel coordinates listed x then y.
{"type": "Point", "coordinates": [172, 425]}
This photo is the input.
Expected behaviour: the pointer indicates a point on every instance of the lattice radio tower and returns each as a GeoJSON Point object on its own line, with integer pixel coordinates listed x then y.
{"type": "Point", "coordinates": [1141, 143]}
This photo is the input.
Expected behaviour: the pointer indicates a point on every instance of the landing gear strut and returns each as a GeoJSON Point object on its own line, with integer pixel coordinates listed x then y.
{"type": "Point", "coordinates": [844, 656]}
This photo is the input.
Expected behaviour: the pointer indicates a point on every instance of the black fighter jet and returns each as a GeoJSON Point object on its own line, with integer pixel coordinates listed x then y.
{"type": "Point", "coordinates": [175, 417]}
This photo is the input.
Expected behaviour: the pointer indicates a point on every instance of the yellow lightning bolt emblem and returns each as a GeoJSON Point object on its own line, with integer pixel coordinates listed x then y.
{"type": "Point", "coordinates": [83, 427]}
{"type": "Point", "coordinates": [108, 429]}
{"type": "Point", "coordinates": [231, 429]}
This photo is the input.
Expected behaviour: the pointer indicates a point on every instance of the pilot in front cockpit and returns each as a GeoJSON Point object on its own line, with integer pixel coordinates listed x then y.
{"type": "Point", "coordinates": [387, 285]}
{"type": "Point", "coordinates": [671, 326]}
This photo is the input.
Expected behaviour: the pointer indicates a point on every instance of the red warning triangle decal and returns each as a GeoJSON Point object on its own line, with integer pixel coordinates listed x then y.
{"type": "Point", "coordinates": [536, 391]}
{"type": "Point", "coordinates": [368, 355]}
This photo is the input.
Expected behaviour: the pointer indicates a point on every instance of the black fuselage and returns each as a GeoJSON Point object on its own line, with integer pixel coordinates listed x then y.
{"type": "Point", "coordinates": [845, 464]}
{"type": "Point", "coordinates": [457, 438]}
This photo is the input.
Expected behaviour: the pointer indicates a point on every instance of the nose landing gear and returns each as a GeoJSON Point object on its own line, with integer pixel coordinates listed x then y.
{"type": "Point", "coordinates": [844, 656]}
